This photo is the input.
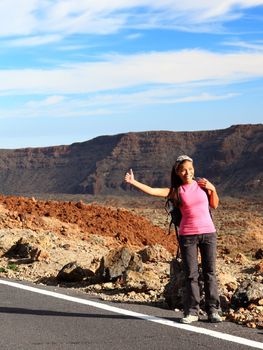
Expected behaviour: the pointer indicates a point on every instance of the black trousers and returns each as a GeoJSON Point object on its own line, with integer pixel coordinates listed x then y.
{"type": "Point", "coordinates": [189, 245]}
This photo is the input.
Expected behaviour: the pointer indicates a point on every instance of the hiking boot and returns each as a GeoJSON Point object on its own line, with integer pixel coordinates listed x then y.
{"type": "Point", "coordinates": [214, 317]}
{"type": "Point", "coordinates": [189, 319]}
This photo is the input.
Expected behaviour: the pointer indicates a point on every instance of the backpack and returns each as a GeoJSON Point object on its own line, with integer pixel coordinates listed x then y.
{"type": "Point", "coordinates": [175, 214]}
{"type": "Point", "coordinates": [172, 208]}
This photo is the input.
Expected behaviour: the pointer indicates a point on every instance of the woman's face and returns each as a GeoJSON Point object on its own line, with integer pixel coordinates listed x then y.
{"type": "Point", "coordinates": [186, 172]}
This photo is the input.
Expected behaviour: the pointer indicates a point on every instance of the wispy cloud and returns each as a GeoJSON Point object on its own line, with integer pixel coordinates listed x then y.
{"type": "Point", "coordinates": [106, 103]}
{"type": "Point", "coordinates": [18, 20]}
{"type": "Point", "coordinates": [72, 47]}
{"type": "Point", "coordinates": [35, 40]}
{"type": "Point", "coordinates": [126, 71]}
{"type": "Point", "coordinates": [33, 18]}
{"type": "Point", "coordinates": [133, 36]}
{"type": "Point", "coordinates": [150, 97]}
{"type": "Point", "coordinates": [49, 101]}
{"type": "Point", "coordinates": [258, 46]}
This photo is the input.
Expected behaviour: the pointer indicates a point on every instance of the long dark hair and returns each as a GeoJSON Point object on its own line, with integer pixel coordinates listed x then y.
{"type": "Point", "coordinates": [176, 182]}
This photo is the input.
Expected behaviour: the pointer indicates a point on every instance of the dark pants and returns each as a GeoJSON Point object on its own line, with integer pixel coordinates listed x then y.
{"type": "Point", "coordinates": [189, 245]}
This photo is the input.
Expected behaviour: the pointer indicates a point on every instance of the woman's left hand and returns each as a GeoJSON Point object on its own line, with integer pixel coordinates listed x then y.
{"type": "Point", "coordinates": [204, 183]}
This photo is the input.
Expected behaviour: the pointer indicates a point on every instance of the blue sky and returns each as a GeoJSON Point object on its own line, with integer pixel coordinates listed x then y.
{"type": "Point", "coordinates": [72, 70]}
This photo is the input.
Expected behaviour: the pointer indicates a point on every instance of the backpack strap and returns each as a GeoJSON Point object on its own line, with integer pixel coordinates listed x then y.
{"type": "Point", "coordinates": [171, 206]}
{"type": "Point", "coordinates": [178, 247]}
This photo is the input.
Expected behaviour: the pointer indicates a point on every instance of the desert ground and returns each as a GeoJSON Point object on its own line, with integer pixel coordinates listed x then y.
{"type": "Point", "coordinates": [66, 240]}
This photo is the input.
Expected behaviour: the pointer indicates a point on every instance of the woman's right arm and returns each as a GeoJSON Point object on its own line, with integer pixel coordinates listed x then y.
{"type": "Point", "coordinates": [153, 191]}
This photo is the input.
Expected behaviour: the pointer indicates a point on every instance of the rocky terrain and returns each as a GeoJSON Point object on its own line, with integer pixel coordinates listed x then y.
{"type": "Point", "coordinates": [118, 248]}
{"type": "Point", "coordinates": [231, 158]}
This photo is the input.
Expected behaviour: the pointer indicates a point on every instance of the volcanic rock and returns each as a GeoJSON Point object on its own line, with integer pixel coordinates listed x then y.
{"type": "Point", "coordinates": [231, 158]}
{"type": "Point", "coordinates": [72, 272]}
{"type": "Point", "coordinates": [117, 262]}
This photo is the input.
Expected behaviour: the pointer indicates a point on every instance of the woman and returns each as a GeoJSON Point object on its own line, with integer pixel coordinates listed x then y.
{"type": "Point", "coordinates": [196, 231]}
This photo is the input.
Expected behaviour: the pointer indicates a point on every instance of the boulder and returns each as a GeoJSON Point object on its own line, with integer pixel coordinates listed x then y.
{"type": "Point", "coordinates": [24, 251]}
{"type": "Point", "coordinates": [117, 262]}
{"type": "Point", "coordinates": [141, 282]}
{"type": "Point", "coordinates": [21, 249]}
{"type": "Point", "coordinates": [72, 272]}
{"type": "Point", "coordinates": [248, 292]}
{"type": "Point", "coordinates": [155, 253]}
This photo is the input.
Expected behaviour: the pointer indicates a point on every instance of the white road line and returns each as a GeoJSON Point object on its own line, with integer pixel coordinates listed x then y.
{"type": "Point", "coordinates": [215, 334]}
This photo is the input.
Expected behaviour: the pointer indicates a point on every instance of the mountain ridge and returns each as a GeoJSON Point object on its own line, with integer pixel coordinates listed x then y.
{"type": "Point", "coordinates": [231, 158]}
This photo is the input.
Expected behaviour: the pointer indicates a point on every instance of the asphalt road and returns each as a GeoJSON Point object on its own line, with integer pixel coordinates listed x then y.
{"type": "Point", "coordinates": [31, 320]}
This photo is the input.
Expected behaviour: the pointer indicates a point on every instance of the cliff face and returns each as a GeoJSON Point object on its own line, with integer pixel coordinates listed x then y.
{"type": "Point", "coordinates": [231, 158]}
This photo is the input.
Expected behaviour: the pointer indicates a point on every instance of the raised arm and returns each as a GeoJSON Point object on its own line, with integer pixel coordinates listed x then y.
{"type": "Point", "coordinates": [213, 197]}
{"type": "Point", "coordinates": [153, 191]}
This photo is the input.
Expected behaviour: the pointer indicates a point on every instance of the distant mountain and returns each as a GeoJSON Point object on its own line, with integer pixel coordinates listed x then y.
{"type": "Point", "coordinates": [232, 158]}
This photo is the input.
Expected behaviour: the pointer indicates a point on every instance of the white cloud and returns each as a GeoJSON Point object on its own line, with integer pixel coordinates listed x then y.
{"type": "Point", "coordinates": [133, 36]}
{"type": "Point", "coordinates": [35, 40]}
{"type": "Point", "coordinates": [120, 71]}
{"type": "Point", "coordinates": [18, 19]}
{"type": "Point", "coordinates": [258, 46]}
{"type": "Point", "coordinates": [72, 47]}
{"type": "Point", "coordinates": [107, 104]}
{"type": "Point", "coordinates": [64, 17]}
{"type": "Point", "coordinates": [150, 97]}
{"type": "Point", "coordinates": [204, 97]}
{"type": "Point", "coordinates": [49, 101]}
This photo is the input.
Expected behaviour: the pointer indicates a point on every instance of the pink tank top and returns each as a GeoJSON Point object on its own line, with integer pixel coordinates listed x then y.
{"type": "Point", "coordinates": [196, 218]}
